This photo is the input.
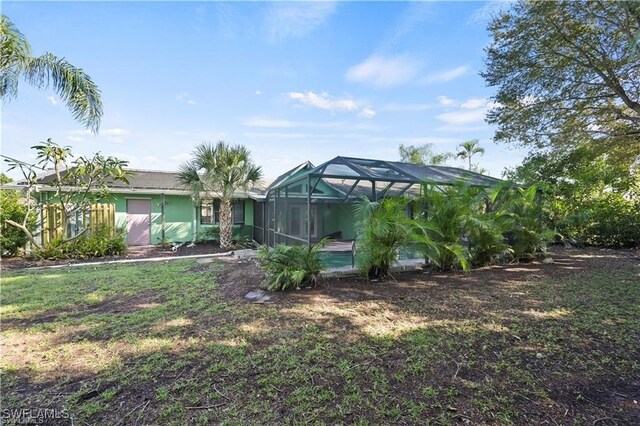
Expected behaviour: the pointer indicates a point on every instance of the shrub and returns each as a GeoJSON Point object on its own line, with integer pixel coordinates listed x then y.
{"type": "Point", "coordinates": [461, 233]}
{"type": "Point", "coordinates": [243, 242]}
{"type": "Point", "coordinates": [290, 266]}
{"type": "Point", "coordinates": [383, 228]}
{"type": "Point", "coordinates": [610, 220]}
{"type": "Point", "coordinates": [103, 241]}
{"type": "Point", "coordinates": [12, 239]}
{"type": "Point", "coordinates": [519, 213]}
{"type": "Point", "coordinates": [211, 233]}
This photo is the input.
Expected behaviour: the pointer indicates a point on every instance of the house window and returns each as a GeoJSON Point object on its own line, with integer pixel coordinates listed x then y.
{"type": "Point", "coordinates": [210, 213]}
{"type": "Point", "coordinates": [238, 212]}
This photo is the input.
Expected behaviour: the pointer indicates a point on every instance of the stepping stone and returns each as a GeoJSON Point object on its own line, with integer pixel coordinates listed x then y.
{"type": "Point", "coordinates": [204, 260]}
{"type": "Point", "coordinates": [245, 254]}
{"type": "Point", "coordinates": [257, 296]}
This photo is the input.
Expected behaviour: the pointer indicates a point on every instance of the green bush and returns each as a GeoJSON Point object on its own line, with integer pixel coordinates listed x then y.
{"type": "Point", "coordinates": [243, 242]}
{"type": "Point", "coordinates": [290, 266]}
{"type": "Point", "coordinates": [382, 230]}
{"type": "Point", "coordinates": [610, 220]}
{"type": "Point", "coordinates": [210, 233]}
{"type": "Point", "coordinates": [465, 234]}
{"type": "Point", "coordinates": [12, 239]}
{"type": "Point", "coordinates": [101, 242]}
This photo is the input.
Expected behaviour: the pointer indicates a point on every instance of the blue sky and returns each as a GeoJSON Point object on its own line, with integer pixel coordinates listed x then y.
{"type": "Point", "coordinates": [291, 81]}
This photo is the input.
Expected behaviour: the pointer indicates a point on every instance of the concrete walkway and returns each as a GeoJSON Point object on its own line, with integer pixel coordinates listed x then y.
{"type": "Point", "coordinates": [138, 260]}
{"type": "Point", "coordinates": [345, 271]}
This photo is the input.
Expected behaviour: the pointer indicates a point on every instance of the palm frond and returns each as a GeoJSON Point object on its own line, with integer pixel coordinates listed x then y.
{"type": "Point", "coordinates": [72, 84]}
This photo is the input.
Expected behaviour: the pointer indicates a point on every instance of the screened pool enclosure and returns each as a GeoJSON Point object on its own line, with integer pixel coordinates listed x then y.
{"type": "Point", "coordinates": [309, 203]}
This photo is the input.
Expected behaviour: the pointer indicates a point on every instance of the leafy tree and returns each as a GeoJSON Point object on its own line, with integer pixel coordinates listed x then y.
{"type": "Point", "coordinates": [78, 183]}
{"type": "Point", "coordinates": [12, 207]}
{"type": "Point", "coordinates": [423, 155]}
{"type": "Point", "coordinates": [70, 83]}
{"type": "Point", "coordinates": [567, 72]}
{"type": "Point", "coordinates": [467, 150]}
{"type": "Point", "coordinates": [220, 171]}
{"type": "Point", "coordinates": [591, 197]}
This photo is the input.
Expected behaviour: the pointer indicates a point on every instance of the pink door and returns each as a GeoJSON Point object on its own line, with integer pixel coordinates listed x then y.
{"type": "Point", "coordinates": [138, 222]}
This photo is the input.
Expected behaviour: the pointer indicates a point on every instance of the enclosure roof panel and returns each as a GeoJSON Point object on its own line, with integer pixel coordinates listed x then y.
{"type": "Point", "coordinates": [289, 174]}
{"type": "Point", "coordinates": [395, 171]}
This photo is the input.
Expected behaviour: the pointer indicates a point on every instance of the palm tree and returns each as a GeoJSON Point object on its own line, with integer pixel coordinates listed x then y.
{"type": "Point", "coordinates": [220, 171]}
{"type": "Point", "coordinates": [468, 149]}
{"type": "Point", "coordinates": [71, 84]}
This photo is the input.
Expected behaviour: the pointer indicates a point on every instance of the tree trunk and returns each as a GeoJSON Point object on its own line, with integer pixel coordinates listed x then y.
{"type": "Point", "coordinates": [26, 232]}
{"type": "Point", "coordinates": [226, 237]}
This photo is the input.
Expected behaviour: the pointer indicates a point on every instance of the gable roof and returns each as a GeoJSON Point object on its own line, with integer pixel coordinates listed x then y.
{"type": "Point", "coordinates": [290, 174]}
{"type": "Point", "coordinates": [140, 181]}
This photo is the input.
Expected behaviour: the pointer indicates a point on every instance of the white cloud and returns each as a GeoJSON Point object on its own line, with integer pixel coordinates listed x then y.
{"type": "Point", "coordinates": [54, 101]}
{"type": "Point", "coordinates": [446, 101]}
{"type": "Point", "coordinates": [83, 132]}
{"type": "Point", "coordinates": [78, 135]}
{"type": "Point", "coordinates": [285, 20]}
{"type": "Point", "coordinates": [472, 110]}
{"type": "Point", "coordinates": [474, 103]}
{"type": "Point", "coordinates": [323, 101]}
{"type": "Point", "coordinates": [384, 72]}
{"type": "Point", "coordinates": [115, 135]}
{"type": "Point", "coordinates": [445, 76]}
{"type": "Point", "coordinates": [185, 97]}
{"type": "Point", "coordinates": [399, 107]}
{"type": "Point", "coordinates": [460, 128]}
{"type": "Point", "coordinates": [268, 122]}
{"type": "Point", "coordinates": [278, 123]}
{"type": "Point", "coordinates": [462, 117]}
{"type": "Point", "coordinates": [185, 156]}
{"type": "Point", "coordinates": [367, 113]}
{"type": "Point", "coordinates": [116, 131]}
{"type": "Point", "coordinates": [258, 93]}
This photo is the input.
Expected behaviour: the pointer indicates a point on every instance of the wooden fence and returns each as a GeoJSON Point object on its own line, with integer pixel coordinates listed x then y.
{"type": "Point", "coordinates": [53, 219]}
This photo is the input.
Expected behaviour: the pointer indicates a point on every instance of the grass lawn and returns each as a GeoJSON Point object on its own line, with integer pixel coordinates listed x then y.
{"type": "Point", "coordinates": [175, 343]}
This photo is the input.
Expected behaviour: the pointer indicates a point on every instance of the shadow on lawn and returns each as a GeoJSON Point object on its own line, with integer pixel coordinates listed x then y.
{"type": "Point", "coordinates": [490, 347]}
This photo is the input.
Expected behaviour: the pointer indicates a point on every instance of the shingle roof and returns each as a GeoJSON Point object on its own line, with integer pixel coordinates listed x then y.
{"type": "Point", "coordinates": [139, 179]}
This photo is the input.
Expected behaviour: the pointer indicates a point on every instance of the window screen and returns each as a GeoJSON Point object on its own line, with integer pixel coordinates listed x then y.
{"type": "Point", "coordinates": [238, 212]}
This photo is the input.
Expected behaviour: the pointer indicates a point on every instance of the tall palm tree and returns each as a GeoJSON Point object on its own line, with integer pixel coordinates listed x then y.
{"type": "Point", "coordinates": [468, 149]}
{"type": "Point", "coordinates": [220, 171]}
{"type": "Point", "coordinates": [71, 84]}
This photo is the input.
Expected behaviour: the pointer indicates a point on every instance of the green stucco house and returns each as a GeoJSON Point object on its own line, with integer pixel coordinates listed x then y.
{"type": "Point", "coordinates": [301, 206]}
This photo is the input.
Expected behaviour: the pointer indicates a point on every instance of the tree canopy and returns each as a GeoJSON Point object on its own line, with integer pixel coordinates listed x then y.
{"type": "Point", "coordinates": [566, 72]}
{"type": "Point", "coordinates": [423, 155]}
{"type": "Point", "coordinates": [78, 182]}
{"type": "Point", "coordinates": [220, 171]}
{"type": "Point", "coordinates": [72, 84]}
{"type": "Point", "coordinates": [468, 149]}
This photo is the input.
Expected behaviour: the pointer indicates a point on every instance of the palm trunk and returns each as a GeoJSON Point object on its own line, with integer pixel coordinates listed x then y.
{"type": "Point", "coordinates": [226, 236]}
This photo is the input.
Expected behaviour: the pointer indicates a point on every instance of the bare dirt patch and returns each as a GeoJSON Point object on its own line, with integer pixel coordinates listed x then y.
{"type": "Point", "coordinates": [240, 277]}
